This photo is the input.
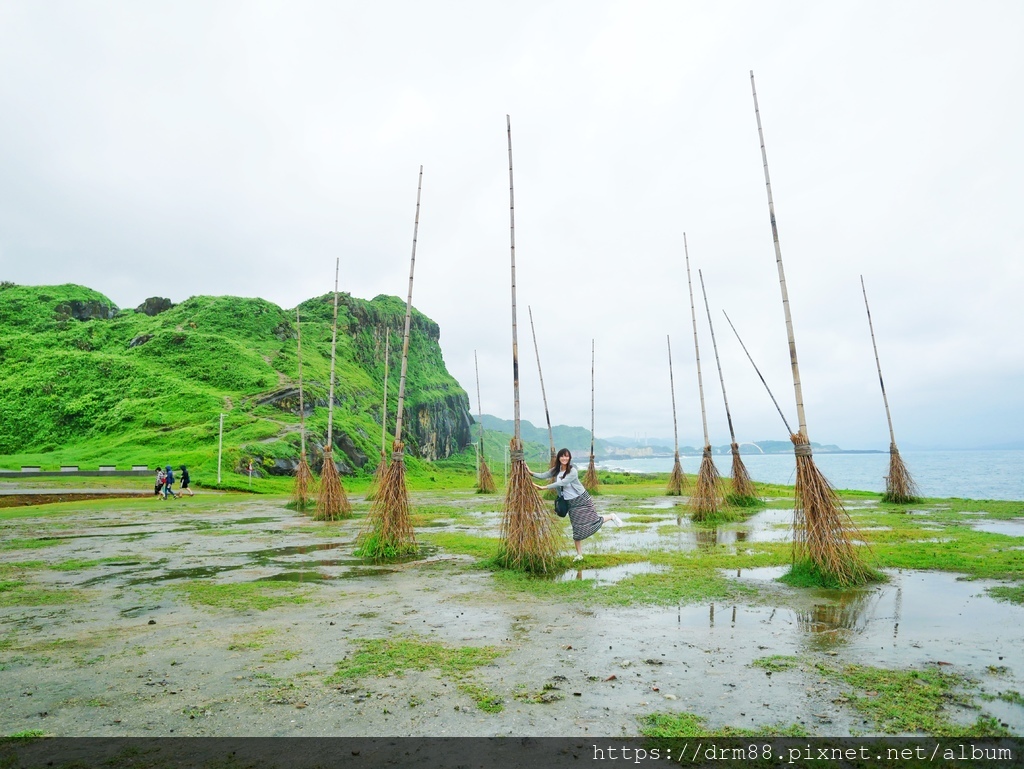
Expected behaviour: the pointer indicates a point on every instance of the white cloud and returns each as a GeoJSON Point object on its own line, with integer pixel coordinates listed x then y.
{"type": "Point", "coordinates": [241, 148]}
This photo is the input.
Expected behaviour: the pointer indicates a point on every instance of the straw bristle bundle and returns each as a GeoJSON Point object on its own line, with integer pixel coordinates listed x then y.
{"type": "Point", "coordinates": [590, 479]}
{"type": "Point", "coordinates": [821, 526]}
{"type": "Point", "coordinates": [302, 494]}
{"type": "Point", "coordinates": [485, 481]}
{"type": "Point", "coordinates": [706, 499]}
{"type": "Point", "coordinates": [899, 486]}
{"type": "Point", "coordinates": [530, 540]}
{"type": "Point", "coordinates": [677, 479]}
{"type": "Point", "coordinates": [378, 478]}
{"type": "Point", "coordinates": [742, 487]}
{"type": "Point", "coordinates": [332, 502]}
{"type": "Point", "coordinates": [389, 532]}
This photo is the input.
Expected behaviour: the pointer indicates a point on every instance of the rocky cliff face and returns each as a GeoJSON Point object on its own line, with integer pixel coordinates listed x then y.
{"type": "Point", "coordinates": [436, 418]}
{"type": "Point", "coordinates": [440, 428]}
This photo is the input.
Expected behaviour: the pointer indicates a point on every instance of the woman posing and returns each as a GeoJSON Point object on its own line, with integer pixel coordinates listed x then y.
{"type": "Point", "coordinates": [584, 518]}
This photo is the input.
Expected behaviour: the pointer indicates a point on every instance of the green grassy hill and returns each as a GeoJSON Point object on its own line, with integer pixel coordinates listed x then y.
{"type": "Point", "coordinates": [82, 382]}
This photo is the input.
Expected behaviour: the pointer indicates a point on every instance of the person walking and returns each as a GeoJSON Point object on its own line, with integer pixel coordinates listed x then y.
{"type": "Point", "coordinates": [169, 482]}
{"type": "Point", "coordinates": [185, 480]}
{"type": "Point", "coordinates": [160, 479]}
{"type": "Point", "coordinates": [583, 516]}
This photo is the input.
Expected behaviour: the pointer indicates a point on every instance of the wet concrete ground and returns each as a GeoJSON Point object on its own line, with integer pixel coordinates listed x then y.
{"type": "Point", "coordinates": [132, 657]}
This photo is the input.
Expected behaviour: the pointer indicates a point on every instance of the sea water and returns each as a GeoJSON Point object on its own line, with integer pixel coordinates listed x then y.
{"type": "Point", "coordinates": [967, 474]}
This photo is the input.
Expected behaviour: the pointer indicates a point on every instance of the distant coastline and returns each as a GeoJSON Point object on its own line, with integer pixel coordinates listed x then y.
{"type": "Point", "coordinates": [578, 441]}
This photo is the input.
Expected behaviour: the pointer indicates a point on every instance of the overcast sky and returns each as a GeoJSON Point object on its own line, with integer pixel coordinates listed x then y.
{"type": "Point", "coordinates": [237, 148]}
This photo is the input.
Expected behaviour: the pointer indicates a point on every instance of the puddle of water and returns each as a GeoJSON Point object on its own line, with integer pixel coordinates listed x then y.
{"type": "Point", "coordinates": [761, 574]}
{"type": "Point", "coordinates": [1014, 528]}
{"type": "Point", "coordinates": [611, 574]}
{"type": "Point", "coordinates": [295, 576]}
{"type": "Point", "coordinates": [765, 526]}
{"type": "Point", "coordinates": [664, 504]}
{"type": "Point", "coordinates": [929, 616]}
{"type": "Point", "coordinates": [281, 552]}
{"type": "Point", "coordinates": [137, 611]}
{"type": "Point", "coordinates": [244, 521]}
{"type": "Point", "coordinates": [201, 572]}
{"type": "Point", "coordinates": [293, 560]}
{"type": "Point", "coordinates": [317, 576]}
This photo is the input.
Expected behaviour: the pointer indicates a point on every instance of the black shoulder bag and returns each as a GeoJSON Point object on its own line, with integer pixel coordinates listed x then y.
{"type": "Point", "coordinates": [561, 505]}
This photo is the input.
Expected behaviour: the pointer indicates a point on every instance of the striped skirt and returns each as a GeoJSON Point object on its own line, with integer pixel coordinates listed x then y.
{"type": "Point", "coordinates": [584, 518]}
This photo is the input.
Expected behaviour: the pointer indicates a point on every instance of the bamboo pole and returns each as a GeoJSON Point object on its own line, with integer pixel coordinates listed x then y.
{"type": "Point", "coordinates": [382, 465]}
{"type": "Point", "coordinates": [332, 502]}
{"type": "Point", "coordinates": [743, 492]}
{"type": "Point", "coordinates": [389, 532]}
{"type": "Point", "coordinates": [543, 394]}
{"type": "Point", "coordinates": [303, 492]}
{"type": "Point", "coordinates": [384, 407]}
{"type": "Point", "coordinates": [706, 499]}
{"type": "Point", "coordinates": [302, 410]}
{"type": "Point", "coordinates": [530, 542]}
{"type": "Point", "coordinates": [677, 480]}
{"type": "Point", "coordinates": [899, 485]}
{"type": "Point", "coordinates": [485, 480]}
{"type": "Point", "coordinates": [590, 480]}
{"type": "Point", "coordinates": [822, 540]}
{"type": "Point", "coordinates": [760, 376]}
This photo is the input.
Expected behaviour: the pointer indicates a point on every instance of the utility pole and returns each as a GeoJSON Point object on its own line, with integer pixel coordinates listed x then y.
{"type": "Point", "coordinates": [220, 447]}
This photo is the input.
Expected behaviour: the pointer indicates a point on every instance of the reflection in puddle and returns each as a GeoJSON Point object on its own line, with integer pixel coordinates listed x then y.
{"type": "Point", "coordinates": [831, 622]}
{"type": "Point", "coordinates": [681, 534]}
{"type": "Point", "coordinates": [611, 574]}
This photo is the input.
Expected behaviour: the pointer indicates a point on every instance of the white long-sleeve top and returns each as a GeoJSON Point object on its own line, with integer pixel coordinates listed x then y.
{"type": "Point", "coordinates": [570, 486]}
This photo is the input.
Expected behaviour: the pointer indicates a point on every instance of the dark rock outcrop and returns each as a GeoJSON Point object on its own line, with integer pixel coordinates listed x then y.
{"type": "Point", "coordinates": [90, 310]}
{"type": "Point", "coordinates": [287, 399]}
{"type": "Point", "coordinates": [343, 442]}
{"type": "Point", "coordinates": [154, 306]}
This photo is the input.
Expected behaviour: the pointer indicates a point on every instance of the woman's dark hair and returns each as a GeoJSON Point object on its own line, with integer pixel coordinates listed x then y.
{"type": "Point", "coordinates": [558, 464]}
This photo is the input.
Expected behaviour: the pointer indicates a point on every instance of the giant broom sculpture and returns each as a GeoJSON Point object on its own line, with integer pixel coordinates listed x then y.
{"type": "Point", "coordinates": [302, 495]}
{"type": "Point", "coordinates": [821, 526]}
{"type": "Point", "coordinates": [389, 532]}
{"type": "Point", "coordinates": [677, 480]}
{"type": "Point", "coordinates": [484, 479]}
{"type": "Point", "coordinates": [743, 492]}
{"type": "Point", "coordinates": [899, 485]}
{"type": "Point", "coordinates": [382, 465]}
{"type": "Point", "coordinates": [529, 540]}
{"type": "Point", "coordinates": [706, 498]}
{"type": "Point", "coordinates": [332, 502]}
